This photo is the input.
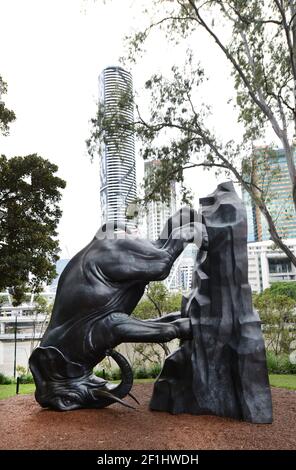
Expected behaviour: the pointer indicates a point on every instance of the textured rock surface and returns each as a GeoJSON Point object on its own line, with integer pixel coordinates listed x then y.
{"type": "Point", "coordinates": [222, 371]}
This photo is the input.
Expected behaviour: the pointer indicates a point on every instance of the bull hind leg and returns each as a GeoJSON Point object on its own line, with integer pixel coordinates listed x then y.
{"type": "Point", "coordinates": [122, 328]}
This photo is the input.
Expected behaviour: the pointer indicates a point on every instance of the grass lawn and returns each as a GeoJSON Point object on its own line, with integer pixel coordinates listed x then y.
{"type": "Point", "coordinates": [9, 390]}
{"type": "Point", "coordinates": [283, 381]}
{"type": "Point", "coordinates": [276, 380]}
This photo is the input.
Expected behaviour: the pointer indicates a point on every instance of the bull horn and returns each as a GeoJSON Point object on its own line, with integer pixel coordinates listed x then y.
{"type": "Point", "coordinates": [104, 394]}
{"type": "Point", "coordinates": [127, 378]}
{"type": "Point", "coordinates": [134, 398]}
{"type": "Point", "coordinates": [112, 393]}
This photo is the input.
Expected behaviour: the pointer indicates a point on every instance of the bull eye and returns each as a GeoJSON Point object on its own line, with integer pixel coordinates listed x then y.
{"type": "Point", "coordinates": [67, 401]}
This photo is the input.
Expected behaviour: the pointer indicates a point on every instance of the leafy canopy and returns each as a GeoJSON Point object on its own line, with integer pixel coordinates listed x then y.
{"type": "Point", "coordinates": [284, 288]}
{"type": "Point", "coordinates": [29, 213]}
{"type": "Point", "coordinates": [6, 115]}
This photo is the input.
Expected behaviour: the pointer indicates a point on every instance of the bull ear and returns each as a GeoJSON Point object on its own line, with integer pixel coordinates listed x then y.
{"type": "Point", "coordinates": [48, 363]}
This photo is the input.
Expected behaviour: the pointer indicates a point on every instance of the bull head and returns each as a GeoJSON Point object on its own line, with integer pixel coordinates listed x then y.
{"type": "Point", "coordinates": [65, 385]}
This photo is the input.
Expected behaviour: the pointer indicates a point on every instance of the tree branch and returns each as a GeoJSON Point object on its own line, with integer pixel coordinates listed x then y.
{"type": "Point", "coordinates": [249, 21]}
{"type": "Point", "coordinates": [154, 303]}
{"type": "Point", "coordinates": [262, 105]}
{"type": "Point", "coordinates": [288, 37]}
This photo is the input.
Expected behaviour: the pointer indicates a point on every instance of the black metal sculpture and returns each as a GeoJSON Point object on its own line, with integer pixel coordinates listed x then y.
{"type": "Point", "coordinates": [222, 371]}
{"type": "Point", "coordinates": [220, 367]}
{"type": "Point", "coordinates": [96, 295]}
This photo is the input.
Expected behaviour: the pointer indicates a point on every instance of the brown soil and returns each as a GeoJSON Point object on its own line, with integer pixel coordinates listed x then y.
{"type": "Point", "coordinates": [24, 425]}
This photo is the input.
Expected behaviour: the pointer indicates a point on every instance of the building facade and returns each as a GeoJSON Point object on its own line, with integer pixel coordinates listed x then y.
{"type": "Point", "coordinates": [117, 162]}
{"type": "Point", "coordinates": [268, 265]}
{"type": "Point", "coordinates": [157, 211]}
{"type": "Point", "coordinates": [273, 178]}
{"type": "Point", "coordinates": [180, 277]}
{"type": "Point", "coordinates": [252, 213]}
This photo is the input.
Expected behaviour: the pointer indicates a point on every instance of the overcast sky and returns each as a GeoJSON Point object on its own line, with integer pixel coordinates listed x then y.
{"type": "Point", "coordinates": [52, 52]}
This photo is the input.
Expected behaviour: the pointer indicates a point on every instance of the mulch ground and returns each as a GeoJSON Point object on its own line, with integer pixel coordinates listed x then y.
{"type": "Point", "coordinates": [24, 425]}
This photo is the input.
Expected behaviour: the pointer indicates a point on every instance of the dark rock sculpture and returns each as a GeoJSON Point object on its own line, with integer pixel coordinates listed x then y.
{"type": "Point", "coordinates": [96, 295]}
{"type": "Point", "coordinates": [222, 371]}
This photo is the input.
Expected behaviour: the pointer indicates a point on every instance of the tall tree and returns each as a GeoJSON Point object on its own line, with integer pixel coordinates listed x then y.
{"type": "Point", "coordinates": [29, 211]}
{"type": "Point", "coordinates": [29, 214]}
{"type": "Point", "coordinates": [262, 53]}
{"type": "Point", "coordinates": [6, 115]}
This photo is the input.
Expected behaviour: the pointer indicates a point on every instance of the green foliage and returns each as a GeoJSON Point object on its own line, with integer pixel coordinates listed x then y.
{"type": "Point", "coordinates": [3, 299]}
{"type": "Point", "coordinates": [4, 380]}
{"type": "Point", "coordinates": [277, 313]}
{"type": "Point", "coordinates": [147, 372]}
{"type": "Point", "coordinates": [141, 373]}
{"type": "Point", "coordinates": [30, 195]}
{"type": "Point", "coordinates": [113, 374]}
{"type": "Point", "coordinates": [174, 302]}
{"type": "Point", "coordinates": [42, 305]}
{"type": "Point", "coordinates": [103, 374]}
{"type": "Point", "coordinates": [26, 379]}
{"type": "Point", "coordinates": [284, 288]}
{"type": "Point", "coordinates": [157, 302]}
{"type": "Point", "coordinates": [116, 374]}
{"type": "Point", "coordinates": [6, 115]}
{"type": "Point", "coordinates": [144, 310]}
{"type": "Point", "coordinates": [279, 364]}
{"type": "Point", "coordinates": [155, 370]}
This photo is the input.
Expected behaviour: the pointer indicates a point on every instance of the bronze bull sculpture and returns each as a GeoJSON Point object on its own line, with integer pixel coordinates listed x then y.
{"type": "Point", "coordinates": [96, 294]}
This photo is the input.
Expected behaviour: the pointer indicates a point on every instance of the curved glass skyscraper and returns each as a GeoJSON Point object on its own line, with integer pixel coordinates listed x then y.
{"type": "Point", "coordinates": [118, 165]}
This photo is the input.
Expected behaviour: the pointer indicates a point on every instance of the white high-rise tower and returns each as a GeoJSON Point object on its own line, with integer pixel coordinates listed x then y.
{"type": "Point", "coordinates": [118, 165]}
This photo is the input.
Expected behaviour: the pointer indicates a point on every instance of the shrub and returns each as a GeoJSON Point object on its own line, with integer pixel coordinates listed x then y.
{"type": "Point", "coordinates": [26, 379]}
{"type": "Point", "coordinates": [4, 380]}
{"type": "Point", "coordinates": [155, 371]}
{"type": "Point", "coordinates": [116, 374]}
{"type": "Point", "coordinates": [141, 373]}
{"type": "Point", "coordinates": [103, 374]}
{"type": "Point", "coordinates": [279, 364]}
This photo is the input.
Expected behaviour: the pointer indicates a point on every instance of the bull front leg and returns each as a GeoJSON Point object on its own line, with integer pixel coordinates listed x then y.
{"type": "Point", "coordinates": [170, 317]}
{"type": "Point", "coordinates": [131, 259]}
